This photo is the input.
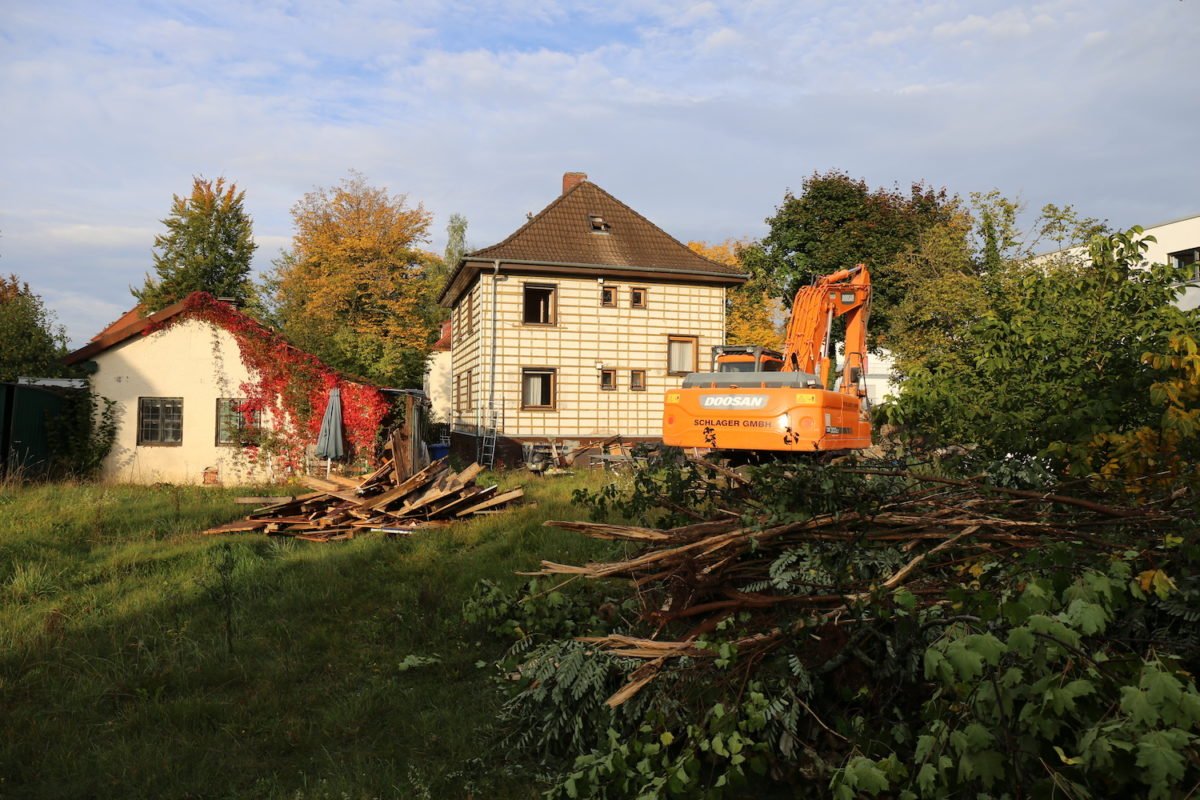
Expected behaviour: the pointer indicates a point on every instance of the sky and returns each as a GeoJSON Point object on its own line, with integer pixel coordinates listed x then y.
{"type": "Point", "coordinates": [700, 115]}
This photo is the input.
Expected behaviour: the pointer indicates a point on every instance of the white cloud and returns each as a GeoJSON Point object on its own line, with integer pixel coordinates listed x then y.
{"type": "Point", "coordinates": [698, 114]}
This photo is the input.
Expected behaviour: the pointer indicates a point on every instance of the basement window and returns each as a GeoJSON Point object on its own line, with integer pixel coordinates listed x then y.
{"type": "Point", "coordinates": [608, 379]}
{"type": "Point", "coordinates": [599, 225]}
{"type": "Point", "coordinates": [637, 297]}
{"type": "Point", "coordinates": [160, 421]}
{"type": "Point", "coordinates": [236, 427]}
{"type": "Point", "coordinates": [608, 296]}
{"type": "Point", "coordinates": [539, 308]}
{"type": "Point", "coordinates": [637, 380]}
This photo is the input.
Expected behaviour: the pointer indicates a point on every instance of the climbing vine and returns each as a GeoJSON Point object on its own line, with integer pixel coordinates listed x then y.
{"type": "Point", "coordinates": [288, 385]}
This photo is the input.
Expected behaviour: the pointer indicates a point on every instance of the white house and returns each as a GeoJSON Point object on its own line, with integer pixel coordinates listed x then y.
{"type": "Point", "coordinates": [574, 326]}
{"type": "Point", "coordinates": [180, 380]}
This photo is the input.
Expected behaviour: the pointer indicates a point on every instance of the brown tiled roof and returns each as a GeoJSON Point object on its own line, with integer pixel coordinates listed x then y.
{"type": "Point", "coordinates": [563, 238]}
{"type": "Point", "coordinates": [563, 233]}
{"type": "Point", "coordinates": [131, 317]}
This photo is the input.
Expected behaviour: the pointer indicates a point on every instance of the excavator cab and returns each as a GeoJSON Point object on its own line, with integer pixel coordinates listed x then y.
{"type": "Point", "coordinates": [745, 358]}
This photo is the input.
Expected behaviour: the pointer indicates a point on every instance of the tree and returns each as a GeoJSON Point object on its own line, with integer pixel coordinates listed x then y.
{"type": "Point", "coordinates": [1056, 360]}
{"type": "Point", "coordinates": [31, 344]}
{"type": "Point", "coordinates": [207, 247]}
{"type": "Point", "coordinates": [352, 290]}
{"type": "Point", "coordinates": [751, 317]}
{"type": "Point", "coordinates": [836, 222]}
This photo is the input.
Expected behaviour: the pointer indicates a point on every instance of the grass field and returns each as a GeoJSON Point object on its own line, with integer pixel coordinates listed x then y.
{"type": "Point", "coordinates": [352, 673]}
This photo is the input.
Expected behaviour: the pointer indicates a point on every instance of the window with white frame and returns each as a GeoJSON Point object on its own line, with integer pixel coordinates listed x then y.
{"type": "Point", "coordinates": [1186, 258]}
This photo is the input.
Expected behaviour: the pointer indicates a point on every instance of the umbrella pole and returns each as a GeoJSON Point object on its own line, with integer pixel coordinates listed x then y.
{"type": "Point", "coordinates": [328, 466]}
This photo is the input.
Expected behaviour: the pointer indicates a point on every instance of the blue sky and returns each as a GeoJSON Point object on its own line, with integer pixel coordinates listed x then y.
{"type": "Point", "coordinates": [698, 114]}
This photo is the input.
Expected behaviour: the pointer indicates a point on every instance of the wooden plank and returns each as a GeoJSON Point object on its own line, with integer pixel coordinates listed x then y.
{"type": "Point", "coordinates": [274, 499]}
{"type": "Point", "coordinates": [344, 482]}
{"type": "Point", "coordinates": [472, 495]}
{"type": "Point", "coordinates": [412, 484]}
{"type": "Point", "coordinates": [319, 484]}
{"type": "Point", "coordinates": [237, 526]}
{"type": "Point", "coordinates": [495, 501]}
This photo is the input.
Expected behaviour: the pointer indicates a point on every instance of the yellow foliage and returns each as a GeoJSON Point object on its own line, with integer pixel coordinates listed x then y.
{"type": "Point", "coordinates": [753, 316]}
{"type": "Point", "coordinates": [354, 278]}
{"type": "Point", "coordinates": [1159, 456]}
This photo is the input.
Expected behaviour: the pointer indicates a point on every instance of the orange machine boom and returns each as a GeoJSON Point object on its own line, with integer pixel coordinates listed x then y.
{"type": "Point", "coordinates": [790, 409]}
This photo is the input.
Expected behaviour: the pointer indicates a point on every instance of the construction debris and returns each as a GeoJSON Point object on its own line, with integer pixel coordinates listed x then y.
{"type": "Point", "coordinates": [691, 578]}
{"type": "Point", "coordinates": [380, 501]}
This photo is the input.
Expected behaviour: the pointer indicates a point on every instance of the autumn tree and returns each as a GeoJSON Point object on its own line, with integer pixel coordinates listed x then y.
{"type": "Point", "coordinates": [753, 314]}
{"type": "Point", "coordinates": [836, 222]}
{"type": "Point", "coordinates": [352, 288]}
{"type": "Point", "coordinates": [208, 246]}
{"type": "Point", "coordinates": [31, 344]}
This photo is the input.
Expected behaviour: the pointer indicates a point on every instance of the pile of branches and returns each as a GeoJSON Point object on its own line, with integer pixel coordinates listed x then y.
{"type": "Point", "coordinates": [920, 536]}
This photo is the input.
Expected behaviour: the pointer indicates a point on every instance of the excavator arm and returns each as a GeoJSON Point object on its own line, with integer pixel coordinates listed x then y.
{"type": "Point", "coordinates": [808, 345]}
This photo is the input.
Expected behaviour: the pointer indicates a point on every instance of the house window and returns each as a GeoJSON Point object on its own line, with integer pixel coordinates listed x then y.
{"type": "Point", "coordinates": [608, 379]}
{"type": "Point", "coordinates": [539, 304]}
{"type": "Point", "coordinates": [235, 426]}
{"type": "Point", "coordinates": [537, 388]}
{"type": "Point", "coordinates": [681, 354]}
{"type": "Point", "coordinates": [637, 380]}
{"type": "Point", "coordinates": [599, 224]}
{"type": "Point", "coordinates": [1187, 258]}
{"type": "Point", "coordinates": [637, 297]}
{"type": "Point", "coordinates": [469, 404]}
{"type": "Point", "coordinates": [608, 296]}
{"type": "Point", "coordinates": [160, 420]}
{"type": "Point", "coordinates": [470, 323]}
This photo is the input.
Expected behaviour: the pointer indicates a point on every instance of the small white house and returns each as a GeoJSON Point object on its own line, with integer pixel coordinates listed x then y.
{"type": "Point", "coordinates": [180, 380]}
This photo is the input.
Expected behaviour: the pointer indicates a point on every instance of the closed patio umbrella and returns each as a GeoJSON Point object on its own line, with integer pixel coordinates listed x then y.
{"type": "Point", "coordinates": [330, 444]}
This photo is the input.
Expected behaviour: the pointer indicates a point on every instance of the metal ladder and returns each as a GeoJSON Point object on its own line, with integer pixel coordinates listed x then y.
{"type": "Point", "coordinates": [487, 449]}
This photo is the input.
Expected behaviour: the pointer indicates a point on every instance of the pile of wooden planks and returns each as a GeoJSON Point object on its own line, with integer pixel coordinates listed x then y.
{"type": "Point", "coordinates": [381, 501]}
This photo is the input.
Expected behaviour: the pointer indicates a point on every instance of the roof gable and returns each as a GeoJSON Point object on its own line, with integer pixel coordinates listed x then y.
{"type": "Point", "coordinates": [588, 226]}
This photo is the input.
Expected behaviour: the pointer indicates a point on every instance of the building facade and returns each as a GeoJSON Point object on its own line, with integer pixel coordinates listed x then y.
{"type": "Point", "coordinates": [573, 327]}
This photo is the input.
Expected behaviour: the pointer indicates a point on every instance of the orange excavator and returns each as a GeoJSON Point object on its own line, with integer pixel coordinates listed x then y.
{"type": "Point", "coordinates": [760, 401]}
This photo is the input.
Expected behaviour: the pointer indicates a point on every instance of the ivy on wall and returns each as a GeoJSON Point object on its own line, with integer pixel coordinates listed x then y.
{"type": "Point", "coordinates": [288, 385]}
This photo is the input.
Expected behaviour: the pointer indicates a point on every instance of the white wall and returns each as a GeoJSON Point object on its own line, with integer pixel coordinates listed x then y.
{"type": "Point", "coordinates": [439, 385]}
{"type": "Point", "coordinates": [196, 361]}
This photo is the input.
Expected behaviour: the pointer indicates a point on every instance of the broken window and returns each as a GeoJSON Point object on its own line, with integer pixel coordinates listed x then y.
{"type": "Point", "coordinates": [608, 379]}
{"type": "Point", "coordinates": [637, 297]}
{"type": "Point", "coordinates": [235, 426]}
{"type": "Point", "coordinates": [537, 388]}
{"type": "Point", "coordinates": [681, 354]}
{"type": "Point", "coordinates": [539, 304]}
{"type": "Point", "coordinates": [637, 380]}
{"type": "Point", "coordinates": [599, 225]}
{"type": "Point", "coordinates": [160, 420]}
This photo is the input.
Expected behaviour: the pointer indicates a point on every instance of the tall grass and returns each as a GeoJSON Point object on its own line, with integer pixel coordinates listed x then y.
{"type": "Point", "coordinates": [139, 659]}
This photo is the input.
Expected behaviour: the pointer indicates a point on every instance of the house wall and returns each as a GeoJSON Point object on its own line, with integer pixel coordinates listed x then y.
{"type": "Point", "coordinates": [196, 361]}
{"type": "Point", "coordinates": [1171, 237]}
{"type": "Point", "coordinates": [439, 385]}
{"type": "Point", "coordinates": [585, 334]}
{"type": "Point", "coordinates": [1174, 237]}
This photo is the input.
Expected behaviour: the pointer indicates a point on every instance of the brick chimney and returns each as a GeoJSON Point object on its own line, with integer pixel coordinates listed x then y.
{"type": "Point", "coordinates": [572, 179]}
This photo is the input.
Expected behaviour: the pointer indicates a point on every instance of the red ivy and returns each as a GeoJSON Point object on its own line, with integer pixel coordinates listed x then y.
{"type": "Point", "coordinates": [289, 384]}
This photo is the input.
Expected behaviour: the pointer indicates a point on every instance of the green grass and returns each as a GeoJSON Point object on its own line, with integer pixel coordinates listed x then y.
{"type": "Point", "coordinates": [116, 678]}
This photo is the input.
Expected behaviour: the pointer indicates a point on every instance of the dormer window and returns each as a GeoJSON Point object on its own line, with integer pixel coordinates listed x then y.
{"type": "Point", "coordinates": [599, 225]}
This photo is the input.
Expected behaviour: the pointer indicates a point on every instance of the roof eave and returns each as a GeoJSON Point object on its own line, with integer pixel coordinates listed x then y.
{"type": "Point", "coordinates": [449, 297]}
